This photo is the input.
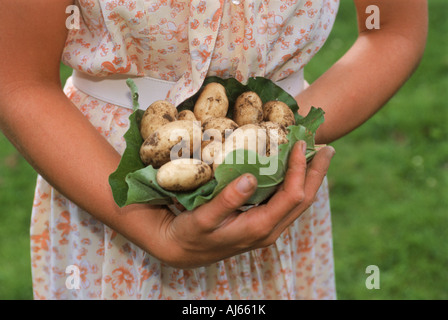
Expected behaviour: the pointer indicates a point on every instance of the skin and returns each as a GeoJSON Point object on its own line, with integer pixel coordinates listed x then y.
{"type": "Point", "coordinates": [32, 105]}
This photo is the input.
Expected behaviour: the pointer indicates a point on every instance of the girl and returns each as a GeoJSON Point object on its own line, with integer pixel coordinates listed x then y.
{"type": "Point", "coordinates": [74, 138]}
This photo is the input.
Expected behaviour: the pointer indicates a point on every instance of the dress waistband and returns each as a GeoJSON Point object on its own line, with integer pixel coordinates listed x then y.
{"type": "Point", "coordinates": [113, 89]}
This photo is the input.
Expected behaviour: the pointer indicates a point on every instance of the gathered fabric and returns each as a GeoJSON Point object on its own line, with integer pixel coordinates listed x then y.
{"type": "Point", "coordinates": [182, 41]}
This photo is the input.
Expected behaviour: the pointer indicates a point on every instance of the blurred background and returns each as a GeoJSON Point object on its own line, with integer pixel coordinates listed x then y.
{"type": "Point", "coordinates": [389, 184]}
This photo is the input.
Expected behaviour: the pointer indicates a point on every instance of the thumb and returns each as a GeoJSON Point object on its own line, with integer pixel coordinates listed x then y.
{"type": "Point", "coordinates": [228, 200]}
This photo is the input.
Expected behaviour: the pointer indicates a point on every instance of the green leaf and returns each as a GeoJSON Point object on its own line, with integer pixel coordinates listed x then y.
{"type": "Point", "coordinates": [132, 182]}
{"type": "Point", "coordinates": [143, 188]}
{"type": "Point", "coordinates": [313, 120]}
{"type": "Point", "coordinates": [130, 160]}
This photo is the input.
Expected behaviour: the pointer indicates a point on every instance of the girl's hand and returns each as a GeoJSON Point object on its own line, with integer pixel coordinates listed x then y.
{"type": "Point", "coordinates": [217, 230]}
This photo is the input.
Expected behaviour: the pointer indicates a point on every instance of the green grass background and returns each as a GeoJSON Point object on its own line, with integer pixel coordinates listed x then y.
{"type": "Point", "coordinates": [389, 193]}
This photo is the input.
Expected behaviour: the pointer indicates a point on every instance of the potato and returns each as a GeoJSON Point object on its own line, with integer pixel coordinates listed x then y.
{"type": "Point", "coordinates": [158, 148]}
{"type": "Point", "coordinates": [156, 115]}
{"type": "Point", "coordinates": [248, 109]}
{"type": "Point", "coordinates": [212, 102]}
{"type": "Point", "coordinates": [183, 175]}
{"type": "Point", "coordinates": [278, 112]}
{"type": "Point", "coordinates": [186, 115]}
{"type": "Point", "coordinates": [276, 134]}
{"type": "Point", "coordinates": [221, 125]}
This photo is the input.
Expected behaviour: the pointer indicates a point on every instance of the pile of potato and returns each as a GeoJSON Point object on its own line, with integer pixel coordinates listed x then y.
{"type": "Point", "coordinates": [199, 140]}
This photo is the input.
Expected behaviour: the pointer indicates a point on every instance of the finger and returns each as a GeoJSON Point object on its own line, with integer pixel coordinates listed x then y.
{"type": "Point", "coordinates": [315, 175]}
{"type": "Point", "coordinates": [317, 171]}
{"type": "Point", "coordinates": [212, 214]}
{"type": "Point", "coordinates": [292, 191]}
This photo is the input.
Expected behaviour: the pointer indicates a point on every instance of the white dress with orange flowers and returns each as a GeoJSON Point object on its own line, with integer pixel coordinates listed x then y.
{"type": "Point", "coordinates": [182, 41]}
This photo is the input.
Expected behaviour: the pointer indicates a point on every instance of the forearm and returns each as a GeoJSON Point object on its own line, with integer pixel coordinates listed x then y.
{"type": "Point", "coordinates": [71, 155]}
{"type": "Point", "coordinates": [361, 82]}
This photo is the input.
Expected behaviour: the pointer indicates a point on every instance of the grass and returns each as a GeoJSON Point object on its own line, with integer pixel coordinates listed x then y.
{"type": "Point", "coordinates": [16, 198]}
{"type": "Point", "coordinates": [388, 184]}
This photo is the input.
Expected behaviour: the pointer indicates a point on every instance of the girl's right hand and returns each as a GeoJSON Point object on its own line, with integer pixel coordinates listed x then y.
{"type": "Point", "coordinates": [217, 230]}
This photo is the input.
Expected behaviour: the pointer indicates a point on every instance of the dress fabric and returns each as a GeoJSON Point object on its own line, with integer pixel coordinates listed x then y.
{"type": "Point", "coordinates": [182, 41]}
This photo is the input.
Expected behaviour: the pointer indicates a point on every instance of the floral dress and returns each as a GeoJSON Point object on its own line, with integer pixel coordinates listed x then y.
{"type": "Point", "coordinates": [182, 41]}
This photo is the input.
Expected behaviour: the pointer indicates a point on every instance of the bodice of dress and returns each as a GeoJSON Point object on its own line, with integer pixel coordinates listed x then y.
{"type": "Point", "coordinates": [186, 40]}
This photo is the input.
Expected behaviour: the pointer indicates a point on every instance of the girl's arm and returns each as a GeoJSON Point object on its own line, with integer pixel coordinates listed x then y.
{"type": "Point", "coordinates": [36, 116]}
{"type": "Point", "coordinates": [373, 70]}
{"type": "Point", "coordinates": [62, 145]}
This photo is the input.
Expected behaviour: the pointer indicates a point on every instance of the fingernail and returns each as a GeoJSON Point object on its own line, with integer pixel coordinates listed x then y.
{"type": "Point", "coordinates": [302, 146]}
{"type": "Point", "coordinates": [245, 184]}
{"type": "Point", "coordinates": [333, 151]}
